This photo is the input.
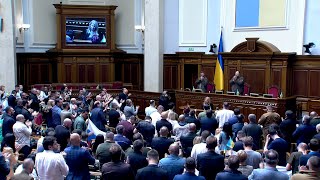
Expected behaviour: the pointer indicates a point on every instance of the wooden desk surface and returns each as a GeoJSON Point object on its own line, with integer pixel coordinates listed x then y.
{"type": "Point", "coordinates": [246, 104]}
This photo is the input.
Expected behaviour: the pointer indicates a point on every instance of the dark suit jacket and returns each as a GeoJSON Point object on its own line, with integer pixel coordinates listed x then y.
{"type": "Point", "coordinates": [188, 176]}
{"type": "Point", "coordinates": [255, 131]}
{"type": "Point", "coordinates": [210, 164]}
{"type": "Point", "coordinates": [137, 160]}
{"type": "Point", "coordinates": [163, 122]}
{"type": "Point", "coordinates": [209, 124]}
{"type": "Point", "coordinates": [161, 144]}
{"type": "Point", "coordinates": [117, 170]}
{"type": "Point", "coordinates": [287, 127]}
{"type": "Point", "coordinates": [35, 102]}
{"type": "Point", "coordinates": [152, 172]}
{"type": "Point", "coordinates": [238, 84]}
{"type": "Point", "coordinates": [24, 112]}
{"type": "Point", "coordinates": [7, 124]}
{"type": "Point", "coordinates": [237, 127]}
{"type": "Point", "coordinates": [22, 176]}
{"type": "Point", "coordinates": [98, 118]}
{"type": "Point", "coordinates": [12, 101]}
{"type": "Point", "coordinates": [304, 133]}
{"type": "Point", "coordinates": [4, 167]}
{"type": "Point", "coordinates": [230, 175]}
{"type": "Point", "coordinates": [187, 143]}
{"type": "Point", "coordinates": [192, 119]}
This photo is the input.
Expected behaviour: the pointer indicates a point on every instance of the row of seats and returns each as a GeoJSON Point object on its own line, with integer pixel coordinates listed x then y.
{"type": "Point", "coordinates": [78, 86]}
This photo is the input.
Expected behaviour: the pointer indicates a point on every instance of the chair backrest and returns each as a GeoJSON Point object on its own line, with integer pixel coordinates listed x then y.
{"type": "Point", "coordinates": [274, 90]}
{"type": "Point", "coordinates": [246, 89]}
{"type": "Point", "coordinates": [210, 87]}
{"type": "Point", "coordinates": [117, 85]}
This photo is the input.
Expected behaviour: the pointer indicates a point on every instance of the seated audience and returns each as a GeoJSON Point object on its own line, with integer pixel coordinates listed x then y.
{"type": "Point", "coordinates": [288, 126]}
{"type": "Point", "coordinates": [270, 171]}
{"type": "Point", "coordinates": [253, 158]}
{"type": "Point", "coordinates": [187, 140]}
{"type": "Point", "coordinates": [210, 163]}
{"type": "Point", "coordinates": [152, 171]}
{"type": "Point", "coordinates": [310, 173]}
{"type": "Point", "coordinates": [51, 165]}
{"type": "Point", "coordinates": [293, 161]}
{"type": "Point", "coordinates": [278, 144]}
{"type": "Point", "coordinates": [189, 174]}
{"type": "Point", "coordinates": [208, 122]}
{"type": "Point", "coordinates": [162, 143]}
{"type": "Point", "coordinates": [135, 158]}
{"type": "Point", "coordinates": [78, 159]}
{"type": "Point", "coordinates": [117, 169]}
{"type": "Point", "coordinates": [305, 132]}
{"type": "Point", "coordinates": [201, 147]}
{"type": "Point", "coordinates": [243, 167]}
{"type": "Point", "coordinates": [173, 164]}
{"type": "Point", "coordinates": [314, 147]}
{"type": "Point", "coordinates": [231, 173]}
{"type": "Point", "coordinates": [120, 139]}
{"type": "Point", "coordinates": [254, 130]}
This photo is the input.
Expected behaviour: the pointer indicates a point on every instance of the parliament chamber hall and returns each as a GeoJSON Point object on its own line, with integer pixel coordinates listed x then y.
{"type": "Point", "coordinates": [159, 89]}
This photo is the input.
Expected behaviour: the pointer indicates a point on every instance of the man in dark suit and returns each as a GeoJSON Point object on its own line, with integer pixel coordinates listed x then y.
{"type": "Point", "coordinates": [62, 133]}
{"type": "Point", "coordinates": [136, 159]}
{"type": "Point", "coordinates": [152, 171]}
{"type": "Point", "coordinates": [209, 123]}
{"type": "Point", "coordinates": [254, 130]}
{"type": "Point", "coordinates": [12, 99]}
{"type": "Point", "coordinates": [78, 159]}
{"type": "Point", "coordinates": [190, 167]}
{"type": "Point", "coordinates": [22, 108]}
{"type": "Point", "coordinates": [34, 100]}
{"type": "Point", "coordinates": [163, 122]}
{"type": "Point", "coordinates": [28, 165]}
{"type": "Point", "coordinates": [162, 143]}
{"type": "Point", "coordinates": [97, 117]}
{"type": "Point", "coordinates": [123, 97]}
{"type": "Point", "coordinates": [117, 169]}
{"type": "Point", "coordinates": [8, 121]}
{"type": "Point", "coordinates": [288, 126]}
{"type": "Point", "coordinates": [187, 140]}
{"type": "Point", "coordinates": [232, 173]}
{"type": "Point", "coordinates": [114, 115]}
{"type": "Point", "coordinates": [305, 132]}
{"type": "Point", "coordinates": [210, 163]}
{"type": "Point", "coordinates": [192, 119]}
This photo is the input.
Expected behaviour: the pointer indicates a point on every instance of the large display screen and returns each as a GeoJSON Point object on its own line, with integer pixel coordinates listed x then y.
{"type": "Point", "coordinates": [86, 31]}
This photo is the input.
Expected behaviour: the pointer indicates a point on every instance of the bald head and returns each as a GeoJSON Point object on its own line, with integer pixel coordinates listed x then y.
{"type": "Point", "coordinates": [318, 128]}
{"type": "Point", "coordinates": [174, 149]}
{"type": "Point", "coordinates": [75, 139]}
{"type": "Point", "coordinates": [109, 136]}
{"type": "Point", "coordinates": [20, 118]}
{"type": "Point", "coordinates": [314, 163]}
{"type": "Point", "coordinates": [28, 165]}
{"type": "Point", "coordinates": [192, 127]}
{"type": "Point", "coordinates": [160, 108]}
{"type": "Point", "coordinates": [181, 118]}
{"type": "Point", "coordinates": [164, 115]}
{"type": "Point", "coordinates": [67, 122]}
{"type": "Point", "coordinates": [164, 131]}
{"type": "Point", "coordinates": [313, 114]}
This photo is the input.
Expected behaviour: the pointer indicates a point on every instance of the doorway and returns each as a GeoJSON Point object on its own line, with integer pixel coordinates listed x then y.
{"type": "Point", "coordinates": [190, 75]}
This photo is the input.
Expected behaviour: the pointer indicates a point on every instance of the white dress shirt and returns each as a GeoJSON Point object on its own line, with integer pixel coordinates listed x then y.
{"type": "Point", "coordinates": [198, 149]}
{"type": "Point", "coordinates": [149, 110]}
{"type": "Point", "coordinates": [22, 134]}
{"type": "Point", "coordinates": [223, 116]}
{"type": "Point", "coordinates": [51, 166]}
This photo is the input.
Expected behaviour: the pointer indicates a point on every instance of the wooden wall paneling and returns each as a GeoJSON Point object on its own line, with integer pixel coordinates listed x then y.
{"type": "Point", "coordinates": [96, 70]}
{"type": "Point", "coordinates": [104, 73]}
{"type": "Point", "coordinates": [82, 73]}
{"type": "Point", "coordinates": [209, 72]}
{"type": "Point", "coordinates": [301, 82]}
{"type": "Point", "coordinates": [275, 77]}
{"type": "Point", "coordinates": [90, 73]}
{"type": "Point", "coordinates": [314, 83]}
{"type": "Point", "coordinates": [134, 73]}
{"type": "Point", "coordinates": [256, 78]}
{"type": "Point", "coordinates": [167, 80]}
{"type": "Point", "coordinates": [174, 77]}
{"type": "Point", "coordinates": [34, 73]}
{"type": "Point", "coordinates": [67, 72]}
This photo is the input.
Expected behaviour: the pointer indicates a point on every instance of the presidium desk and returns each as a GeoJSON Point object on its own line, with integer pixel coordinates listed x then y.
{"type": "Point", "coordinates": [246, 104]}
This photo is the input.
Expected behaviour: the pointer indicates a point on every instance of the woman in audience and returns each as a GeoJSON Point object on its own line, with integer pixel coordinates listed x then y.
{"type": "Point", "coordinates": [172, 118]}
{"type": "Point", "coordinates": [197, 140]}
{"type": "Point", "coordinates": [99, 140]}
{"type": "Point", "coordinates": [225, 135]}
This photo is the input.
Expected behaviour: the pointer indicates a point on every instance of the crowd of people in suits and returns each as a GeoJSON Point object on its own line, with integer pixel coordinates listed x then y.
{"type": "Point", "coordinates": [49, 136]}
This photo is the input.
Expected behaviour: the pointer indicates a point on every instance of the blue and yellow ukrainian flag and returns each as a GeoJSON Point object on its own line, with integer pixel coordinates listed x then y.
{"type": "Point", "coordinates": [218, 76]}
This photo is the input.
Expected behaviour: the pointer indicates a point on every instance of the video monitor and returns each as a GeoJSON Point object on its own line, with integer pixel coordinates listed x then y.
{"type": "Point", "coordinates": [219, 92]}
{"type": "Point", "coordinates": [231, 93]}
{"type": "Point", "coordinates": [85, 31]}
{"type": "Point", "coordinates": [254, 94]}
